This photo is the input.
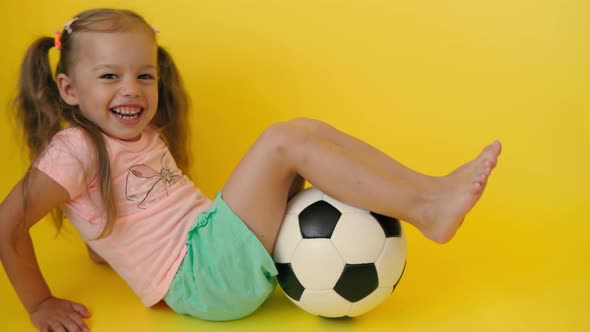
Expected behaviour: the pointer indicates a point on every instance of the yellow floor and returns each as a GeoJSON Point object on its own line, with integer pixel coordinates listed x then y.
{"type": "Point", "coordinates": [428, 82]}
{"type": "Point", "coordinates": [528, 279]}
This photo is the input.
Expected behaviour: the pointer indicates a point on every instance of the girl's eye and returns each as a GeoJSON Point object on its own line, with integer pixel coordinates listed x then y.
{"type": "Point", "coordinates": [146, 77]}
{"type": "Point", "coordinates": [108, 76]}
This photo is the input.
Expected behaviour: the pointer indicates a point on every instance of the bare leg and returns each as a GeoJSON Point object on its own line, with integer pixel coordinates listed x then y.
{"type": "Point", "coordinates": [258, 188]}
{"type": "Point", "coordinates": [363, 150]}
{"type": "Point", "coordinates": [383, 161]}
{"type": "Point", "coordinates": [297, 186]}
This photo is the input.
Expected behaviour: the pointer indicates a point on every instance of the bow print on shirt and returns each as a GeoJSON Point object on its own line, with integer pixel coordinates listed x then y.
{"type": "Point", "coordinates": [144, 183]}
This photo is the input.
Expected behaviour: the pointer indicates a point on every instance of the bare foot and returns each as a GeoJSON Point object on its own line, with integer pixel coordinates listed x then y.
{"type": "Point", "coordinates": [456, 194]}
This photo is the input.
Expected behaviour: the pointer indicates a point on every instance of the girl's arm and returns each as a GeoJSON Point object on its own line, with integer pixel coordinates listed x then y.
{"type": "Point", "coordinates": [95, 257]}
{"type": "Point", "coordinates": [16, 247]}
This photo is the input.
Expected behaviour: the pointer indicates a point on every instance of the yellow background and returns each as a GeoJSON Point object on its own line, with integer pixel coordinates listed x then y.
{"type": "Point", "coordinates": [428, 82]}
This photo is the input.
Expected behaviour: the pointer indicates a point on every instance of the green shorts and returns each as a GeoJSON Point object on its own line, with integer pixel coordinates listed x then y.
{"type": "Point", "coordinates": [226, 273]}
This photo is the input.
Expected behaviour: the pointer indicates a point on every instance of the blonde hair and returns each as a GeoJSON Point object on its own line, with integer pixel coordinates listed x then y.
{"type": "Point", "coordinates": [42, 113]}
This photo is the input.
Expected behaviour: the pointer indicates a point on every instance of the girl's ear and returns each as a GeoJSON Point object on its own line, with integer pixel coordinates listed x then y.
{"type": "Point", "coordinates": [66, 89]}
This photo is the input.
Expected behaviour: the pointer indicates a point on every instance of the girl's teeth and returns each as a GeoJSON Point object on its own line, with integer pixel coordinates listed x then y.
{"type": "Point", "coordinates": [127, 113]}
{"type": "Point", "coordinates": [127, 110]}
{"type": "Point", "coordinates": [128, 117]}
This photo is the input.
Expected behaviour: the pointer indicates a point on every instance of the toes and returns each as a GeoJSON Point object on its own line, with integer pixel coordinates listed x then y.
{"type": "Point", "coordinates": [492, 151]}
{"type": "Point", "coordinates": [496, 149]}
{"type": "Point", "coordinates": [487, 158]}
{"type": "Point", "coordinates": [497, 146]}
{"type": "Point", "coordinates": [479, 182]}
{"type": "Point", "coordinates": [477, 187]}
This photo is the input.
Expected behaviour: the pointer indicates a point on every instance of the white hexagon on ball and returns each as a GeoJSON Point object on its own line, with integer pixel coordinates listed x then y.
{"type": "Point", "coordinates": [288, 238]}
{"type": "Point", "coordinates": [390, 265]}
{"type": "Point", "coordinates": [317, 271]}
{"type": "Point", "coordinates": [358, 238]}
{"type": "Point", "coordinates": [326, 303]}
{"type": "Point", "coordinates": [363, 306]}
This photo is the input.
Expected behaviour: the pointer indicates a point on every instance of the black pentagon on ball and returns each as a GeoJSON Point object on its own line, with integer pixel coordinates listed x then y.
{"type": "Point", "coordinates": [357, 281]}
{"type": "Point", "coordinates": [391, 226]}
{"type": "Point", "coordinates": [318, 220]}
{"type": "Point", "coordinates": [288, 281]}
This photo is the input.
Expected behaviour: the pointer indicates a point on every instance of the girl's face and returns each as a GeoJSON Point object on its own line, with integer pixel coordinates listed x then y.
{"type": "Point", "coordinates": [114, 81]}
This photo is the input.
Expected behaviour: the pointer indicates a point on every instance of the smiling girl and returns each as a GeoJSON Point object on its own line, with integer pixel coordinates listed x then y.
{"type": "Point", "coordinates": [108, 141]}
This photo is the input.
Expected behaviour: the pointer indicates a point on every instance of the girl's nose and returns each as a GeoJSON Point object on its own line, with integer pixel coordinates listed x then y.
{"type": "Point", "coordinates": [131, 88]}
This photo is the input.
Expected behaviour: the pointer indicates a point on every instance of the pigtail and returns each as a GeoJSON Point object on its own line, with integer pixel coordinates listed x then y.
{"type": "Point", "coordinates": [38, 103]}
{"type": "Point", "coordinates": [38, 108]}
{"type": "Point", "coordinates": [173, 109]}
{"type": "Point", "coordinates": [41, 112]}
{"type": "Point", "coordinates": [104, 171]}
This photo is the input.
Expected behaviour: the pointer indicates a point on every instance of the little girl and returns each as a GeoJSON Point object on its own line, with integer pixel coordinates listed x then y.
{"type": "Point", "coordinates": [118, 171]}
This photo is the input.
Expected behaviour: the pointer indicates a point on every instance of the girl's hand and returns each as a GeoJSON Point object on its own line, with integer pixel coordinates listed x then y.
{"type": "Point", "coordinates": [55, 314]}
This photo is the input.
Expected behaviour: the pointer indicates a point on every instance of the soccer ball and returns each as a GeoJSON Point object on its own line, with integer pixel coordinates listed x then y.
{"type": "Point", "coordinates": [335, 260]}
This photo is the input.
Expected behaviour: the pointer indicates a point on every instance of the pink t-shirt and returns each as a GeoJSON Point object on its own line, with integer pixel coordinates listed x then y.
{"type": "Point", "coordinates": [156, 205]}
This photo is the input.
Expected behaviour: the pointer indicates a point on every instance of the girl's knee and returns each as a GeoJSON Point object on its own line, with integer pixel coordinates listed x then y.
{"type": "Point", "coordinates": [307, 123]}
{"type": "Point", "coordinates": [275, 137]}
{"type": "Point", "coordinates": [283, 133]}
{"type": "Point", "coordinates": [285, 138]}
{"type": "Point", "coordinates": [317, 127]}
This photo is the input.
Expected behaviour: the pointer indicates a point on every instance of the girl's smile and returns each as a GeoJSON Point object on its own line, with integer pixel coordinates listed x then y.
{"type": "Point", "coordinates": [128, 115]}
{"type": "Point", "coordinates": [114, 81]}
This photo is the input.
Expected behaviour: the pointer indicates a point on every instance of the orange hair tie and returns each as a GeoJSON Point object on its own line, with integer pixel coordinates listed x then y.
{"type": "Point", "coordinates": [68, 28]}
{"type": "Point", "coordinates": [57, 40]}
